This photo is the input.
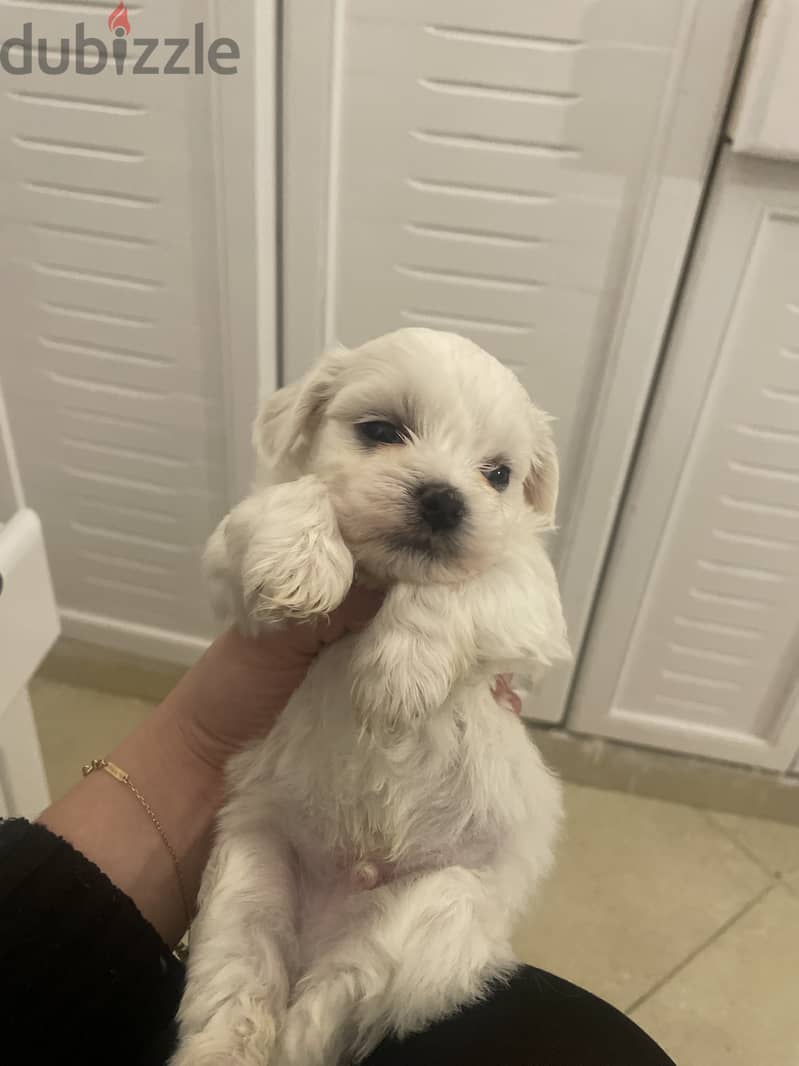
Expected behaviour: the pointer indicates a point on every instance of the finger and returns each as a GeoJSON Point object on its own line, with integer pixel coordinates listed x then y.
{"type": "Point", "coordinates": [357, 610]}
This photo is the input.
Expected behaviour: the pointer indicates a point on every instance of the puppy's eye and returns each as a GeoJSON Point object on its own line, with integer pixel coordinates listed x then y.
{"type": "Point", "coordinates": [498, 476]}
{"type": "Point", "coordinates": [381, 432]}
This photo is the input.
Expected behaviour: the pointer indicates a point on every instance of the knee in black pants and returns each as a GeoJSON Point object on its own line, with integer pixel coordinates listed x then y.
{"type": "Point", "coordinates": [535, 1019]}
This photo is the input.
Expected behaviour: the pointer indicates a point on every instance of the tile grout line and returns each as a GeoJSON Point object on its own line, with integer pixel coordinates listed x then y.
{"type": "Point", "coordinates": [689, 958]}
{"type": "Point", "coordinates": [733, 839]}
{"type": "Point", "coordinates": [779, 876]}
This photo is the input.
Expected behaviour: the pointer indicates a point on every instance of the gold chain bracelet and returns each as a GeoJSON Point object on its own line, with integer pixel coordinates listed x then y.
{"type": "Point", "coordinates": [120, 775]}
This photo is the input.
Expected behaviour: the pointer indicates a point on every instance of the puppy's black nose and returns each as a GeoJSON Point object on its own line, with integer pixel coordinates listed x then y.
{"type": "Point", "coordinates": [441, 506]}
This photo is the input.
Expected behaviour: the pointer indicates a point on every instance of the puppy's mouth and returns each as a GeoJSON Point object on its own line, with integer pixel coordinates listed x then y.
{"type": "Point", "coordinates": [435, 524]}
{"type": "Point", "coordinates": [437, 547]}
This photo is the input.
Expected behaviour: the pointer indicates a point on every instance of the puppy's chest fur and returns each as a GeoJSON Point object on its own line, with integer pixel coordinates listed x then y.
{"type": "Point", "coordinates": [445, 791]}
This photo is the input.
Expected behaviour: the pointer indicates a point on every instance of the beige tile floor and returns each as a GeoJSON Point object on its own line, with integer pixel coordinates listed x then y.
{"type": "Point", "coordinates": [686, 919]}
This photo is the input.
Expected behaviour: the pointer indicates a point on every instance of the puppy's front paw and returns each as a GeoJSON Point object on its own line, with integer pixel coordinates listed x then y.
{"type": "Point", "coordinates": [279, 557]}
{"type": "Point", "coordinates": [282, 584]}
{"type": "Point", "coordinates": [242, 1033]}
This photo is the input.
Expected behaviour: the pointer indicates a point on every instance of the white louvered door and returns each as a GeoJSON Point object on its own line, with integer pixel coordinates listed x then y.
{"type": "Point", "coordinates": [694, 646]}
{"type": "Point", "coordinates": [117, 320]}
{"type": "Point", "coordinates": [525, 173]}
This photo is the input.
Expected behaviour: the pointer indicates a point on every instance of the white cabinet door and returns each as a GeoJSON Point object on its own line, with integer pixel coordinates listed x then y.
{"type": "Point", "coordinates": [694, 645]}
{"type": "Point", "coordinates": [525, 173]}
{"type": "Point", "coordinates": [129, 356]}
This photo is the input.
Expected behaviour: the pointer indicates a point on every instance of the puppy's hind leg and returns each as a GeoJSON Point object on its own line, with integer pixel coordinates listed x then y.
{"type": "Point", "coordinates": [420, 950]}
{"type": "Point", "coordinates": [242, 956]}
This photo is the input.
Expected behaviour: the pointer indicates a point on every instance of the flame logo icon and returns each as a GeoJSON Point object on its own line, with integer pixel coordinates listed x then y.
{"type": "Point", "coordinates": [118, 21]}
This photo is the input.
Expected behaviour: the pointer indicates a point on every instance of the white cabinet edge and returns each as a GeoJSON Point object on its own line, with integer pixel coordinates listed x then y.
{"type": "Point", "coordinates": [655, 272]}
{"type": "Point", "coordinates": [23, 783]}
{"type": "Point", "coordinates": [28, 616]}
{"type": "Point", "coordinates": [764, 123]}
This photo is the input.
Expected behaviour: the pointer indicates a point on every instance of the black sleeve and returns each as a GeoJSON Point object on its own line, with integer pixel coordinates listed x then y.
{"type": "Point", "coordinates": [83, 976]}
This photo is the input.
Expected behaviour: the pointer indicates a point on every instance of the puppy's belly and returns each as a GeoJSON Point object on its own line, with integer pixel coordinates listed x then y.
{"type": "Point", "coordinates": [359, 816]}
{"type": "Point", "coordinates": [345, 899]}
{"type": "Point", "coordinates": [369, 816]}
{"type": "Point", "coordinates": [330, 907]}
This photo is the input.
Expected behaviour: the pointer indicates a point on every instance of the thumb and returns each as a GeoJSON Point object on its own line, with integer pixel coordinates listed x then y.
{"type": "Point", "coordinates": [357, 610]}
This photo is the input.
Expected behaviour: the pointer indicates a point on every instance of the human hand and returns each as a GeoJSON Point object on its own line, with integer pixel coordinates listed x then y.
{"type": "Point", "coordinates": [176, 759]}
{"type": "Point", "coordinates": [235, 692]}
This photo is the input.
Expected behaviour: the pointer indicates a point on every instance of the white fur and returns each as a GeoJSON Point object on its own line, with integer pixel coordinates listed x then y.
{"type": "Point", "coordinates": [376, 847]}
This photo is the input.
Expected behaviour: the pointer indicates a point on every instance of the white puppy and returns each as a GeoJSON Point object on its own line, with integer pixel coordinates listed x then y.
{"type": "Point", "coordinates": [376, 847]}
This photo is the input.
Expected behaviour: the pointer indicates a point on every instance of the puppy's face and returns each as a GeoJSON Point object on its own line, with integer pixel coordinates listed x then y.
{"type": "Point", "coordinates": [430, 448]}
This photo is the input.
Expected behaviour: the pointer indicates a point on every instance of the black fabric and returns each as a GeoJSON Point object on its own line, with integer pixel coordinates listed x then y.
{"type": "Point", "coordinates": [84, 978]}
{"type": "Point", "coordinates": [535, 1020]}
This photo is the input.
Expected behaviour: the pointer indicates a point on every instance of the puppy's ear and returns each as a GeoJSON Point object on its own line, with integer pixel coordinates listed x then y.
{"type": "Point", "coordinates": [273, 428]}
{"type": "Point", "coordinates": [541, 483]}
{"type": "Point", "coordinates": [287, 420]}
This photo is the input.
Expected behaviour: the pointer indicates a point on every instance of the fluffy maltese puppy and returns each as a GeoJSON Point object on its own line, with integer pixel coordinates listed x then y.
{"type": "Point", "coordinates": [375, 849]}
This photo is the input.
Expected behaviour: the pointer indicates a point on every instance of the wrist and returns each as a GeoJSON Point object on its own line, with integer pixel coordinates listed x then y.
{"type": "Point", "coordinates": [185, 792]}
{"type": "Point", "coordinates": [104, 820]}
